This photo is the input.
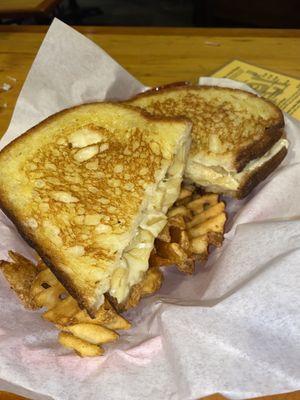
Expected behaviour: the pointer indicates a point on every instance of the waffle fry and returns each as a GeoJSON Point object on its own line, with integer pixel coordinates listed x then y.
{"type": "Point", "coordinates": [92, 333]}
{"type": "Point", "coordinates": [151, 283]}
{"type": "Point", "coordinates": [81, 347]}
{"type": "Point", "coordinates": [194, 223]}
{"type": "Point", "coordinates": [79, 331]}
{"type": "Point", "coordinates": [20, 274]}
{"type": "Point", "coordinates": [37, 287]}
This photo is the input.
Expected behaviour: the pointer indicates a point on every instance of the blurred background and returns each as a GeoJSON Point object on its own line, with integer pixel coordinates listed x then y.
{"type": "Point", "coordinates": [175, 13]}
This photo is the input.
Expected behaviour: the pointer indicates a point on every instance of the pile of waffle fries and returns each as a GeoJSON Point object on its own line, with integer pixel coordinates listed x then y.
{"type": "Point", "coordinates": [195, 222]}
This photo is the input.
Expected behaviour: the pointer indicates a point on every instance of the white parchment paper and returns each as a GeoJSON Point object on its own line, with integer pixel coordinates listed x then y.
{"type": "Point", "coordinates": [233, 328]}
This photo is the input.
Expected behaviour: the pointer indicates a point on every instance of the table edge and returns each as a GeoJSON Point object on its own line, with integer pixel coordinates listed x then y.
{"type": "Point", "coordinates": [136, 30]}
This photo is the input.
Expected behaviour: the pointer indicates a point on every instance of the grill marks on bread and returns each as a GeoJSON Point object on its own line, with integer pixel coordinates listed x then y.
{"type": "Point", "coordinates": [227, 123]}
{"type": "Point", "coordinates": [75, 186]}
{"type": "Point", "coordinates": [218, 125]}
{"type": "Point", "coordinates": [96, 186]}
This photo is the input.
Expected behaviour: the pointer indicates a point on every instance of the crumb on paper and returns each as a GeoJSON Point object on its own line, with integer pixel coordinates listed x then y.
{"type": "Point", "coordinates": [6, 87]}
{"type": "Point", "coordinates": [11, 78]}
{"type": "Point", "coordinates": [209, 43]}
{"type": "Point", "coordinates": [4, 105]}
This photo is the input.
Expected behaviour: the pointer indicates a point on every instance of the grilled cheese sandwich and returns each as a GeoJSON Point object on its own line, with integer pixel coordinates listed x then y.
{"type": "Point", "coordinates": [237, 137]}
{"type": "Point", "coordinates": [217, 179]}
{"type": "Point", "coordinates": [89, 189]}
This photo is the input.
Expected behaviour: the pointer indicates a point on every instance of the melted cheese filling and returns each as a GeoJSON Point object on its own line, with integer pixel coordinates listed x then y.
{"type": "Point", "coordinates": [134, 260]}
{"type": "Point", "coordinates": [222, 179]}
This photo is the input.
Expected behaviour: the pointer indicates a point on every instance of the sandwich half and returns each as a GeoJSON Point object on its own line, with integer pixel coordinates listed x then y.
{"type": "Point", "coordinates": [89, 189]}
{"type": "Point", "coordinates": [237, 137]}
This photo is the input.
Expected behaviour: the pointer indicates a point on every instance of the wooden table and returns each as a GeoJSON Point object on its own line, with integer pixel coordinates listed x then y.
{"type": "Point", "coordinates": [26, 8]}
{"type": "Point", "coordinates": [156, 56]}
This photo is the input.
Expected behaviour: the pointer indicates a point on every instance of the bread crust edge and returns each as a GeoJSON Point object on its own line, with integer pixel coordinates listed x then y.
{"type": "Point", "coordinates": [248, 153]}
{"type": "Point", "coordinates": [144, 113]}
{"type": "Point", "coordinates": [260, 174]}
{"type": "Point", "coordinates": [61, 276]}
{"type": "Point", "coordinates": [259, 148]}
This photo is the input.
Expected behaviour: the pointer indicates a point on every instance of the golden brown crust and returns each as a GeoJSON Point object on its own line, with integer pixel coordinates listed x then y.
{"type": "Point", "coordinates": [259, 148]}
{"type": "Point", "coordinates": [52, 117]}
{"type": "Point", "coordinates": [63, 278]}
{"type": "Point", "coordinates": [49, 257]}
{"type": "Point", "coordinates": [259, 174]}
{"type": "Point", "coordinates": [252, 151]}
{"type": "Point", "coordinates": [156, 89]}
{"type": "Point", "coordinates": [179, 86]}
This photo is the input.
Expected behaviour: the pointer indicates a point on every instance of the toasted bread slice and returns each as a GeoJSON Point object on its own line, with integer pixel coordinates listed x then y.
{"type": "Point", "coordinates": [89, 189]}
{"type": "Point", "coordinates": [232, 131]}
